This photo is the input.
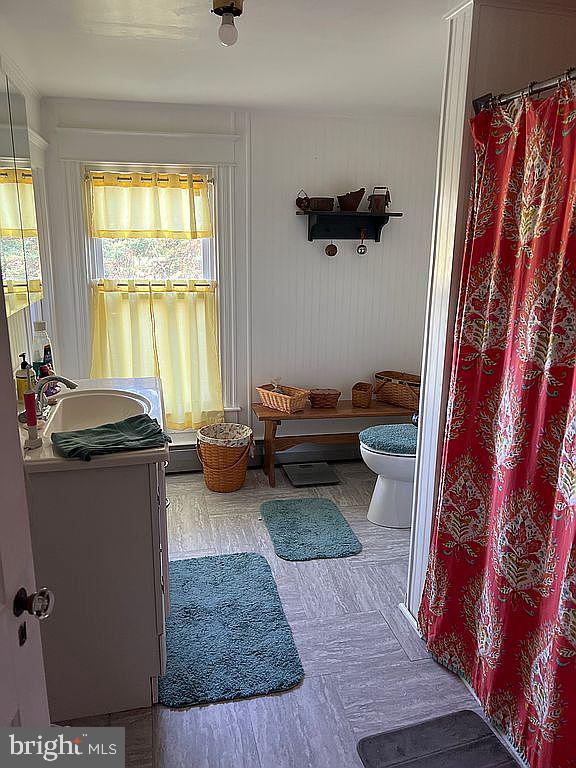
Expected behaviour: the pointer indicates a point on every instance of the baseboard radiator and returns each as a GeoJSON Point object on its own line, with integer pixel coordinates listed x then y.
{"type": "Point", "coordinates": [183, 458]}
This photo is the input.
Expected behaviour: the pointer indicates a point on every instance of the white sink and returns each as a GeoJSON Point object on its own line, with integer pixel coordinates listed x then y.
{"type": "Point", "coordinates": [85, 408]}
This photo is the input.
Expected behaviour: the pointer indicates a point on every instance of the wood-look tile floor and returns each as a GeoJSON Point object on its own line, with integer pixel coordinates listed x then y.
{"type": "Point", "coordinates": [366, 669]}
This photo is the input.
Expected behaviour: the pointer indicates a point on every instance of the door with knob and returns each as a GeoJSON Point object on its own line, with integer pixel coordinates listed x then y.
{"type": "Point", "coordinates": [23, 699]}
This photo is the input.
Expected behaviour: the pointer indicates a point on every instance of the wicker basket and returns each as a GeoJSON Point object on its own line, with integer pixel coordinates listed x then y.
{"type": "Point", "coordinates": [362, 394]}
{"type": "Point", "coordinates": [321, 204]}
{"type": "Point", "coordinates": [397, 388]}
{"type": "Point", "coordinates": [223, 450]}
{"type": "Point", "coordinates": [324, 398]}
{"type": "Point", "coordinates": [289, 399]}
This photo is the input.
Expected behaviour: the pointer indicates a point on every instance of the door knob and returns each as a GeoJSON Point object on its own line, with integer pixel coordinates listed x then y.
{"type": "Point", "coordinates": [39, 604]}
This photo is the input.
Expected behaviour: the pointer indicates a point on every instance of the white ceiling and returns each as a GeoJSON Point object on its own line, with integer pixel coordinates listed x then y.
{"type": "Point", "coordinates": [336, 55]}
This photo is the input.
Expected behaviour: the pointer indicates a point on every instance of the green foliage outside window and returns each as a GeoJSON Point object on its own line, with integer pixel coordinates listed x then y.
{"type": "Point", "coordinates": [152, 259]}
{"type": "Point", "coordinates": [19, 259]}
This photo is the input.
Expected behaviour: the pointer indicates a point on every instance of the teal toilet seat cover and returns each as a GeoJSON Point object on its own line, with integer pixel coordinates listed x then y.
{"type": "Point", "coordinates": [395, 439]}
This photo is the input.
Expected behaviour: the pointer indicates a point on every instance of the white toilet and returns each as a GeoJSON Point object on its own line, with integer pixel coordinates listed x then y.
{"type": "Point", "coordinates": [390, 452]}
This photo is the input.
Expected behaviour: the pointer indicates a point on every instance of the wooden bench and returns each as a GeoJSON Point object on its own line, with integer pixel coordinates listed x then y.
{"type": "Point", "coordinates": [388, 414]}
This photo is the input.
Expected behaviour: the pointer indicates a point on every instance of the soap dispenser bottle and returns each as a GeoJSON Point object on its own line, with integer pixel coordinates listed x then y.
{"type": "Point", "coordinates": [21, 377]}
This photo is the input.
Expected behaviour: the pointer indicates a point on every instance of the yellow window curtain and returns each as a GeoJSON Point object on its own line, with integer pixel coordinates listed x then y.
{"type": "Point", "coordinates": [164, 205]}
{"type": "Point", "coordinates": [18, 296]}
{"type": "Point", "coordinates": [17, 209]}
{"type": "Point", "coordinates": [168, 330]}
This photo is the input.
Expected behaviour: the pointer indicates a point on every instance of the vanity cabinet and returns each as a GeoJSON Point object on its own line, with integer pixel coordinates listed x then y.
{"type": "Point", "coordinates": [99, 539]}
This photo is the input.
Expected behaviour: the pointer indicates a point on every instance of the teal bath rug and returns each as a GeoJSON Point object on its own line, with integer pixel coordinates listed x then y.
{"type": "Point", "coordinates": [308, 529]}
{"type": "Point", "coordinates": [227, 636]}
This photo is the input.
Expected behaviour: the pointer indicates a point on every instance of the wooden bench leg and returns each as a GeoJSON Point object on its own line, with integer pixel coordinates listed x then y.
{"type": "Point", "coordinates": [270, 428]}
{"type": "Point", "coordinates": [265, 457]}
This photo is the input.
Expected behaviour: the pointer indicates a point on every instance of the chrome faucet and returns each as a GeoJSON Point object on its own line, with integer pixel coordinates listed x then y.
{"type": "Point", "coordinates": [42, 405]}
{"type": "Point", "coordinates": [41, 399]}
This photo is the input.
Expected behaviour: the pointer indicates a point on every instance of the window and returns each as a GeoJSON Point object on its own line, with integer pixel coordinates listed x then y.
{"type": "Point", "coordinates": [20, 258]}
{"type": "Point", "coordinates": [19, 252]}
{"type": "Point", "coordinates": [154, 297]}
{"type": "Point", "coordinates": [155, 258]}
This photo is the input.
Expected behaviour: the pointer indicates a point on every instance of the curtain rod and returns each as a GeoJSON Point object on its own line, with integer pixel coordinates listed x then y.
{"type": "Point", "coordinates": [489, 100]}
{"type": "Point", "coordinates": [127, 175]}
{"type": "Point", "coordinates": [161, 283]}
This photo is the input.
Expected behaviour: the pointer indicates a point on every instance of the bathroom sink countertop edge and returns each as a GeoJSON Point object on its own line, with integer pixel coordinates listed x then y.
{"type": "Point", "coordinates": [45, 459]}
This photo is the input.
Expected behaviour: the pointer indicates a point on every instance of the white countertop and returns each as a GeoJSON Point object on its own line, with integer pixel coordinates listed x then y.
{"type": "Point", "coordinates": [44, 459]}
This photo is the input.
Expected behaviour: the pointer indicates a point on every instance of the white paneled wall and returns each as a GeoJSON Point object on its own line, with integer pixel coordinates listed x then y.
{"type": "Point", "coordinates": [329, 323]}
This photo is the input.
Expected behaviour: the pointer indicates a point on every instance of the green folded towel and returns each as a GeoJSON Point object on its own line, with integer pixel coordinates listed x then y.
{"type": "Point", "coordinates": [133, 434]}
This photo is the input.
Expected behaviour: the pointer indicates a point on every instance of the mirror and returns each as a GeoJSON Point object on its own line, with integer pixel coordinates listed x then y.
{"type": "Point", "coordinates": [19, 250]}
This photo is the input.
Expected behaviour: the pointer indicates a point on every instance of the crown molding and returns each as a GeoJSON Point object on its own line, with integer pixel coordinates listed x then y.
{"type": "Point", "coordinates": [458, 9]}
{"type": "Point", "coordinates": [17, 76]}
{"type": "Point", "coordinates": [37, 140]}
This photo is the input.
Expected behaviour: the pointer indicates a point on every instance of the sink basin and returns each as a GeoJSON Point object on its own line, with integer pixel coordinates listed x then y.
{"type": "Point", "coordinates": [82, 409]}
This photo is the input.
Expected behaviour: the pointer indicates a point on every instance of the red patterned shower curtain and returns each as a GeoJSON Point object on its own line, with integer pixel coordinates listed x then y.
{"type": "Point", "coordinates": [499, 605]}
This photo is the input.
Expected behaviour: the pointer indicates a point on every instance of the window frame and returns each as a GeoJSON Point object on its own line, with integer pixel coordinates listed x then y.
{"type": "Point", "coordinates": [212, 266]}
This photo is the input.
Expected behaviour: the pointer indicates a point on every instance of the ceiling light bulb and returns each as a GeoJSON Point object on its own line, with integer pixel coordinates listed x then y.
{"type": "Point", "coordinates": [228, 33]}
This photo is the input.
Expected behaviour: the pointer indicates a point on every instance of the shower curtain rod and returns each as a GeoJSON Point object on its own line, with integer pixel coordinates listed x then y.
{"type": "Point", "coordinates": [489, 100]}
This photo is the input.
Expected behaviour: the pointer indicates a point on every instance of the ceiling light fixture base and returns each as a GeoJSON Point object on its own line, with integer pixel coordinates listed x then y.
{"type": "Point", "coordinates": [232, 7]}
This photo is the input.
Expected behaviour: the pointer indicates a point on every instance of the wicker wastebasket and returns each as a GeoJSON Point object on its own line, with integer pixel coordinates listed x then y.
{"type": "Point", "coordinates": [223, 450]}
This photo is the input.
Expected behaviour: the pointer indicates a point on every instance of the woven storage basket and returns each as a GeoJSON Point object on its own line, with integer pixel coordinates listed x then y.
{"type": "Point", "coordinates": [324, 398]}
{"type": "Point", "coordinates": [321, 204]}
{"type": "Point", "coordinates": [289, 399]}
{"type": "Point", "coordinates": [397, 388]}
{"type": "Point", "coordinates": [223, 450]}
{"type": "Point", "coordinates": [362, 394]}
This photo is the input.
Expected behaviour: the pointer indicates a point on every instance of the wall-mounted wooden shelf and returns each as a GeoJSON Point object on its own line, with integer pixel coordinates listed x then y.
{"type": "Point", "coordinates": [346, 225]}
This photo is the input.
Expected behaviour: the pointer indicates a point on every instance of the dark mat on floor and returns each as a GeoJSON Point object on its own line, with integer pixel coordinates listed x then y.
{"type": "Point", "coordinates": [308, 529]}
{"type": "Point", "coordinates": [459, 740]}
{"type": "Point", "coordinates": [227, 636]}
